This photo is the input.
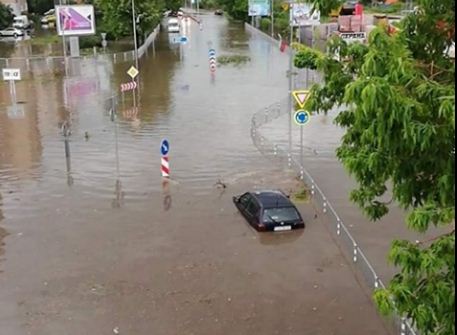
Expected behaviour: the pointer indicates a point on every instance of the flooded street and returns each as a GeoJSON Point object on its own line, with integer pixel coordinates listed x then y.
{"type": "Point", "coordinates": [96, 244]}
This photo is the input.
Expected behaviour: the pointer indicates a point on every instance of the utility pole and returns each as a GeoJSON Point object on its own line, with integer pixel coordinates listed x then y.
{"type": "Point", "coordinates": [64, 42]}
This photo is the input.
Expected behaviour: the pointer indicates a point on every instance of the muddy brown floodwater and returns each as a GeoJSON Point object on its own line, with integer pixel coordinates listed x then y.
{"type": "Point", "coordinates": [96, 245]}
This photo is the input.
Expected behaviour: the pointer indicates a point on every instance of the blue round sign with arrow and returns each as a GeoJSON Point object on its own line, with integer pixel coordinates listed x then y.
{"type": "Point", "coordinates": [165, 148]}
{"type": "Point", "coordinates": [302, 117]}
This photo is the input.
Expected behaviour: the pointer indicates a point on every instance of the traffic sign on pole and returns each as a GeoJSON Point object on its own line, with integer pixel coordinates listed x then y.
{"type": "Point", "coordinates": [301, 97]}
{"type": "Point", "coordinates": [128, 86]}
{"type": "Point", "coordinates": [165, 148]}
{"type": "Point", "coordinates": [302, 117]}
{"type": "Point", "coordinates": [133, 72]}
{"type": "Point", "coordinates": [11, 74]}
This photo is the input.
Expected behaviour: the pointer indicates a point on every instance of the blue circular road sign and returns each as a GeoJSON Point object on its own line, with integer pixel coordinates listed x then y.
{"type": "Point", "coordinates": [184, 40]}
{"type": "Point", "coordinates": [165, 148]}
{"type": "Point", "coordinates": [302, 117]}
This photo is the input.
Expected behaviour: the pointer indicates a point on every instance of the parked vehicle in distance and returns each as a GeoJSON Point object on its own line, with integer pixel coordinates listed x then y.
{"type": "Point", "coordinates": [219, 12]}
{"type": "Point", "coordinates": [269, 211]}
{"type": "Point", "coordinates": [11, 32]}
{"type": "Point", "coordinates": [49, 17]}
{"type": "Point", "coordinates": [21, 22]}
{"type": "Point", "coordinates": [173, 26]}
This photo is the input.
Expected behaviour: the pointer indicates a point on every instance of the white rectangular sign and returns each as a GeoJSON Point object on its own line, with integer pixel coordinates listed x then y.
{"type": "Point", "coordinates": [75, 20]}
{"type": "Point", "coordinates": [11, 74]}
{"type": "Point", "coordinates": [303, 14]}
{"type": "Point", "coordinates": [354, 37]}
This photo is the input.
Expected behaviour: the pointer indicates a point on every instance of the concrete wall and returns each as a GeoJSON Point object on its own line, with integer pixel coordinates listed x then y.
{"type": "Point", "coordinates": [18, 6]}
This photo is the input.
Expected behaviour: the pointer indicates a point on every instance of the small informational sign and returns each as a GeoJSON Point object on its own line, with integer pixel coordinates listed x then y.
{"type": "Point", "coordinates": [133, 72]}
{"type": "Point", "coordinates": [11, 74]}
{"type": "Point", "coordinates": [354, 37]}
{"type": "Point", "coordinates": [302, 117]}
{"type": "Point", "coordinates": [183, 40]}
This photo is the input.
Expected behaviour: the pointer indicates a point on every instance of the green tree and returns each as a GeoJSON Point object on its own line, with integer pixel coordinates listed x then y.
{"type": "Point", "coordinates": [398, 99]}
{"type": "Point", "coordinates": [173, 5]}
{"type": "Point", "coordinates": [40, 6]}
{"type": "Point", "coordinates": [236, 9]}
{"type": "Point", "coordinates": [117, 16]}
{"type": "Point", "coordinates": [6, 16]}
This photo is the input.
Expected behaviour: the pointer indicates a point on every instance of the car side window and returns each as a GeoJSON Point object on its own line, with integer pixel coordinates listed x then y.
{"type": "Point", "coordinates": [253, 207]}
{"type": "Point", "coordinates": [245, 200]}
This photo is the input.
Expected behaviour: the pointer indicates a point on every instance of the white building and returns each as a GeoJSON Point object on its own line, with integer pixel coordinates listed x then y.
{"type": "Point", "coordinates": [18, 6]}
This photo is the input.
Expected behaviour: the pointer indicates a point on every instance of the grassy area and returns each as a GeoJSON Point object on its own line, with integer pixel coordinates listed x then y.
{"type": "Point", "coordinates": [46, 39]}
{"type": "Point", "coordinates": [391, 9]}
{"type": "Point", "coordinates": [302, 195]}
{"type": "Point", "coordinates": [233, 59]}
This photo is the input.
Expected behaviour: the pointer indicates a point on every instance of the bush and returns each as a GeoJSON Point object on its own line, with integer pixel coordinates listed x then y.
{"type": "Point", "coordinates": [265, 24]}
{"type": "Point", "coordinates": [88, 42]}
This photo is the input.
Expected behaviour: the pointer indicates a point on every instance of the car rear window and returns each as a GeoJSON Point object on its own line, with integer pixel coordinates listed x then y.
{"type": "Point", "coordinates": [282, 214]}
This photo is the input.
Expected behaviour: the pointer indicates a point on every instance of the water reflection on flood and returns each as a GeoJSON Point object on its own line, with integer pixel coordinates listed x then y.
{"type": "Point", "coordinates": [117, 161]}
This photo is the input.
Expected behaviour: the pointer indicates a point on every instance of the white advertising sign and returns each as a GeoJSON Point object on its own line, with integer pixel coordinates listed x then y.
{"type": "Point", "coordinates": [11, 74]}
{"type": "Point", "coordinates": [302, 14]}
{"type": "Point", "coordinates": [75, 20]}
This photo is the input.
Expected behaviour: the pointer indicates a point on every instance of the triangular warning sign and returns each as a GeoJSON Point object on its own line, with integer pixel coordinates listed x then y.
{"type": "Point", "coordinates": [301, 97]}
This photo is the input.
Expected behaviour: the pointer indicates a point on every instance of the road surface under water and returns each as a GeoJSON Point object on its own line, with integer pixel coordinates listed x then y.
{"type": "Point", "coordinates": [97, 244]}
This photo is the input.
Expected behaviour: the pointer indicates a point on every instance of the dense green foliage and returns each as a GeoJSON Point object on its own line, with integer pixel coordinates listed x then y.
{"type": "Point", "coordinates": [116, 15]}
{"type": "Point", "coordinates": [40, 6]}
{"type": "Point", "coordinates": [398, 96]}
{"type": "Point", "coordinates": [236, 9]}
{"type": "Point", "coordinates": [6, 17]}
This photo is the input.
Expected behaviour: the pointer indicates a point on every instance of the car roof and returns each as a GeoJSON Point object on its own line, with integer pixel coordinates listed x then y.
{"type": "Point", "coordinates": [272, 199]}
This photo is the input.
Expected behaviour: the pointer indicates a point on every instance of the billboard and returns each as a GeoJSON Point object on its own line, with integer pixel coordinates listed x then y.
{"type": "Point", "coordinates": [302, 14]}
{"type": "Point", "coordinates": [75, 20]}
{"type": "Point", "coordinates": [259, 8]}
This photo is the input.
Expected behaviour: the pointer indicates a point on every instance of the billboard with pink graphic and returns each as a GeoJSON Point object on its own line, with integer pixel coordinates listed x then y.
{"type": "Point", "coordinates": [75, 20]}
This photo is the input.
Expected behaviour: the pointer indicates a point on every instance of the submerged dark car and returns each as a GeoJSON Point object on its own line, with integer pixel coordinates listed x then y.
{"type": "Point", "coordinates": [269, 211]}
{"type": "Point", "coordinates": [219, 12]}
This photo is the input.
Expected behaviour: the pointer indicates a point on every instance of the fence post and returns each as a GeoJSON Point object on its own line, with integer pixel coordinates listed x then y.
{"type": "Point", "coordinates": [266, 114]}
{"type": "Point", "coordinates": [324, 205]}
{"type": "Point", "coordinates": [275, 150]}
{"type": "Point", "coordinates": [376, 282]}
{"type": "Point", "coordinates": [313, 189]}
{"type": "Point", "coordinates": [289, 160]}
{"type": "Point", "coordinates": [302, 173]}
{"type": "Point", "coordinates": [356, 253]}
{"type": "Point", "coordinates": [403, 326]}
{"type": "Point", "coordinates": [338, 227]}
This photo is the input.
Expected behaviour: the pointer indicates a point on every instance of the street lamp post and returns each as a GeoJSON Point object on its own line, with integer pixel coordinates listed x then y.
{"type": "Point", "coordinates": [134, 34]}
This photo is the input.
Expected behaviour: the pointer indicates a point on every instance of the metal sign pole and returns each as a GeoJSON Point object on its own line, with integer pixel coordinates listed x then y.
{"type": "Point", "coordinates": [290, 101]}
{"type": "Point", "coordinates": [273, 18]}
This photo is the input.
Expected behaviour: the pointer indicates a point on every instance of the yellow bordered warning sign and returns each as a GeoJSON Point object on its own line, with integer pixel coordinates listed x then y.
{"type": "Point", "coordinates": [133, 72]}
{"type": "Point", "coordinates": [301, 97]}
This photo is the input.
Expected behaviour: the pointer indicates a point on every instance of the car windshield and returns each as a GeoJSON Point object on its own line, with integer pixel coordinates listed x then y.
{"type": "Point", "coordinates": [280, 215]}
